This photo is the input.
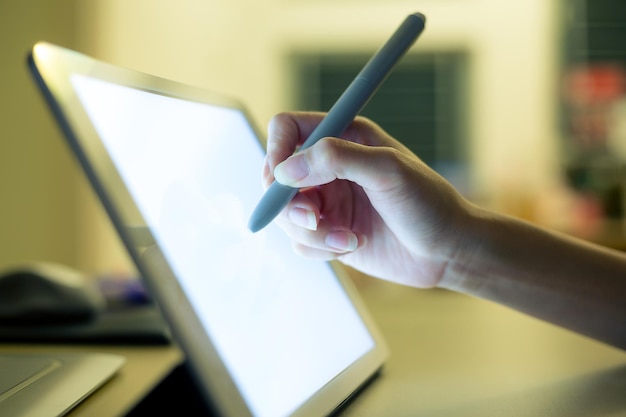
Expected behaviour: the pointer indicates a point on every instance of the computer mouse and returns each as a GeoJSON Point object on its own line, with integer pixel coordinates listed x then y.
{"type": "Point", "coordinates": [47, 294]}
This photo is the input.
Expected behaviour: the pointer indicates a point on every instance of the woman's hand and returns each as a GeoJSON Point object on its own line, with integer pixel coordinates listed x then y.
{"type": "Point", "coordinates": [365, 200]}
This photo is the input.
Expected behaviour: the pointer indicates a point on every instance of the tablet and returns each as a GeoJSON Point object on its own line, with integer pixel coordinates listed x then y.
{"type": "Point", "coordinates": [178, 169]}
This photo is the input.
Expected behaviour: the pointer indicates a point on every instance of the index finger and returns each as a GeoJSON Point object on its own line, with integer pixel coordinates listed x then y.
{"type": "Point", "coordinates": [286, 132]}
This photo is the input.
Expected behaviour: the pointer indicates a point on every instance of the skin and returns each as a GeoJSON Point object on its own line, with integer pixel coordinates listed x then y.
{"type": "Point", "coordinates": [369, 202]}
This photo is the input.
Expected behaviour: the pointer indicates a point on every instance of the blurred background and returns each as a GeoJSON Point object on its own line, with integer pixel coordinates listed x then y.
{"type": "Point", "coordinates": [521, 104]}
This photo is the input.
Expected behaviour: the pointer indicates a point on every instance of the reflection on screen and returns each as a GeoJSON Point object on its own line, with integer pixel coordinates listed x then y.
{"type": "Point", "coordinates": [282, 324]}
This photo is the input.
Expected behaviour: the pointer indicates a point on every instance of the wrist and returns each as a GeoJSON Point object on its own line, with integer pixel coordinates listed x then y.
{"type": "Point", "coordinates": [464, 266]}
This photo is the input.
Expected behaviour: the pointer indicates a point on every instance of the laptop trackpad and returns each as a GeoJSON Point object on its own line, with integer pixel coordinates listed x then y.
{"type": "Point", "coordinates": [50, 385]}
{"type": "Point", "coordinates": [18, 373]}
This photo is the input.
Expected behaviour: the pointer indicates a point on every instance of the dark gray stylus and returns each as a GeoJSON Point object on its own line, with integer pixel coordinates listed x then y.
{"type": "Point", "coordinates": [344, 111]}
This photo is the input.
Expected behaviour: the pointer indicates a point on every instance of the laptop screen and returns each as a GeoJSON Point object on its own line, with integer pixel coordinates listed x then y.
{"type": "Point", "coordinates": [265, 332]}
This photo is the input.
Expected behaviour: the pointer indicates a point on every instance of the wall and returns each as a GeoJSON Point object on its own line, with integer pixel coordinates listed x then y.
{"type": "Point", "coordinates": [37, 175]}
{"type": "Point", "coordinates": [241, 48]}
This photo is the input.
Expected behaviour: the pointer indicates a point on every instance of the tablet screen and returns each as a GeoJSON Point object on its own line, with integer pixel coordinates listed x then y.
{"type": "Point", "coordinates": [282, 325]}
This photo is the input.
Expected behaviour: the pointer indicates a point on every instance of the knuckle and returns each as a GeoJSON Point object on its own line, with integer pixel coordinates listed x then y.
{"type": "Point", "coordinates": [362, 122]}
{"type": "Point", "coordinates": [280, 117]}
{"type": "Point", "coordinates": [329, 151]}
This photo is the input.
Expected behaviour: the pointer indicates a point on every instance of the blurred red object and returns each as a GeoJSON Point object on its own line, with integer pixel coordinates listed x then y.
{"type": "Point", "coordinates": [594, 83]}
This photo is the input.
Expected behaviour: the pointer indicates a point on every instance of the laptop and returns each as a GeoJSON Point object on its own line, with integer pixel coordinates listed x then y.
{"type": "Point", "coordinates": [265, 332]}
{"type": "Point", "coordinates": [50, 385]}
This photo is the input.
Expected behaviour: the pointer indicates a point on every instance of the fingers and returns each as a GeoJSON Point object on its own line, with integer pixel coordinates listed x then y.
{"type": "Point", "coordinates": [325, 239]}
{"type": "Point", "coordinates": [326, 242]}
{"type": "Point", "coordinates": [320, 219]}
{"type": "Point", "coordinates": [373, 168]}
{"type": "Point", "coordinates": [313, 235]}
{"type": "Point", "coordinates": [303, 211]}
{"type": "Point", "coordinates": [285, 132]}
{"type": "Point", "coordinates": [335, 244]}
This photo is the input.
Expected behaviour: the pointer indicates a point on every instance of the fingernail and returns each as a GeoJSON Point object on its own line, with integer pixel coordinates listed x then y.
{"type": "Point", "coordinates": [292, 170]}
{"type": "Point", "coordinates": [303, 217]}
{"type": "Point", "coordinates": [344, 241]}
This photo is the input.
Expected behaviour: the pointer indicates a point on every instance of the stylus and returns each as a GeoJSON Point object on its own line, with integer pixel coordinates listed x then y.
{"type": "Point", "coordinates": [343, 112]}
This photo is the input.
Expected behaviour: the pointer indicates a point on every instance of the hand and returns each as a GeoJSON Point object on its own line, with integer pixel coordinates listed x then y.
{"type": "Point", "coordinates": [372, 204]}
{"type": "Point", "coordinates": [367, 201]}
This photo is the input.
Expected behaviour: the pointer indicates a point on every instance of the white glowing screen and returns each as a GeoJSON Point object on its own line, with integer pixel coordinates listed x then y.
{"type": "Point", "coordinates": [282, 325]}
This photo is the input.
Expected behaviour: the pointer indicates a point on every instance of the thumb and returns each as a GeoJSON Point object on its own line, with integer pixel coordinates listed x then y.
{"type": "Point", "coordinates": [334, 158]}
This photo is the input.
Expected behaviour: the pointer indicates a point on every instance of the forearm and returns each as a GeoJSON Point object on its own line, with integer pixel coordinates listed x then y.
{"type": "Point", "coordinates": [565, 281]}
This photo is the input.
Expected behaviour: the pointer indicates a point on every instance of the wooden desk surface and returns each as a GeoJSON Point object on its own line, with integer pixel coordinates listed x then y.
{"type": "Point", "coordinates": [451, 355]}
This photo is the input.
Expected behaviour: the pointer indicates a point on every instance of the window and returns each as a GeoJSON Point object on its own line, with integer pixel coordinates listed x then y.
{"type": "Point", "coordinates": [422, 102]}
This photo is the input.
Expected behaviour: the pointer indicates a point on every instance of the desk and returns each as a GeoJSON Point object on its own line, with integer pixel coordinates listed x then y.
{"type": "Point", "coordinates": [451, 355]}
